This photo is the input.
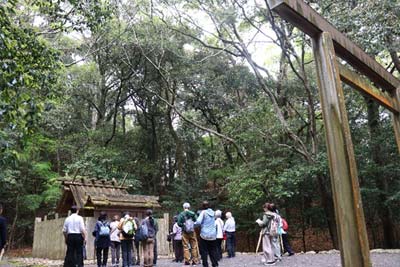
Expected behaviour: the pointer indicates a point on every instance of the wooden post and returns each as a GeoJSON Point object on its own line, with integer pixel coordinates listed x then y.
{"type": "Point", "coordinates": [396, 117]}
{"type": "Point", "coordinates": [352, 234]}
{"type": "Point", "coordinates": [123, 181]}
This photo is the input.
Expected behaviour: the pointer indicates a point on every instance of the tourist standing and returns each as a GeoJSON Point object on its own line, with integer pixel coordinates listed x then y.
{"type": "Point", "coordinates": [155, 252]}
{"type": "Point", "coordinates": [137, 244]}
{"type": "Point", "coordinates": [186, 221]}
{"type": "Point", "coordinates": [75, 237]}
{"type": "Point", "coordinates": [265, 223]}
{"type": "Point", "coordinates": [230, 229]}
{"type": "Point", "coordinates": [3, 231]}
{"type": "Point", "coordinates": [276, 244]}
{"type": "Point", "coordinates": [148, 244]}
{"type": "Point", "coordinates": [208, 235]}
{"type": "Point", "coordinates": [177, 241]}
{"type": "Point", "coordinates": [128, 227]}
{"type": "Point", "coordinates": [286, 246]}
{"type": "Point", "coordinates": [219, 223]}
{"type": "Point", "coordinates": [115, 241]}
{"type": "Point", "coordinates": [102, 240]}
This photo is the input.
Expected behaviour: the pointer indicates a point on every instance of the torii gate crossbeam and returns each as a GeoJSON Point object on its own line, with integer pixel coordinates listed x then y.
{"type": "Point", "coordinates": [309, 21]}
{"type": "Point", "coordinates": [327, 43]}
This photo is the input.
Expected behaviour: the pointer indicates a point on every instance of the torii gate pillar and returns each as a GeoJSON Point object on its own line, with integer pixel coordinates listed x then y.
{"type": "Point", "coordinates": [396, 117]}
{"type": "Point", "coordinates": [327, 43]}
{"type": "Point", "coordinates": [353, 240]}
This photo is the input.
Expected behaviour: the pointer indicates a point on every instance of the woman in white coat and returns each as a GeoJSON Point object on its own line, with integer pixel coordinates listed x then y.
{"type": "Point", "coordinates": [219, 224]}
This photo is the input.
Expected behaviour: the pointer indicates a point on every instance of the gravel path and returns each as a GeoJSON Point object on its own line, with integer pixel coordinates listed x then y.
{"type": "Point", "coordinates": [300, 260]}
{"type": "Point", "coordinates": [379, 259]}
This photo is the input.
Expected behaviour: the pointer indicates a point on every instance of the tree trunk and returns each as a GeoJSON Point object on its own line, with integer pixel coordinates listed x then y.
{"type": "Point", "coordinates": [226, 147]}
{"type": "Point", "coordinates": [327, 203]}
{"type": "Point", "coordinates": [303, 226]}
{"type": "Point", "coordinates": [385, 213]}
{"type": "Point", "coordinates": [94, 117]}
{"type": "Point", "coordinates": [14, 224]}
{"type": "Point", "coordinates": [58, 155]}
{"type": "Point", "coordinates": [123, 122]}
{"type": "Point", "coordinates": [179, 155]}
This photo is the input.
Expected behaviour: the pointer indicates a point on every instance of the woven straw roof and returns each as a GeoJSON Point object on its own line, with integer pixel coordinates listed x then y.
{"type": "Point", "coordinates": [95, 193]}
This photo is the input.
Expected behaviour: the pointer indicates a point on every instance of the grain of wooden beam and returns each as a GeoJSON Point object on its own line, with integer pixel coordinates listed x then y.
{"type": "Point", "coordinates": [357, 82]}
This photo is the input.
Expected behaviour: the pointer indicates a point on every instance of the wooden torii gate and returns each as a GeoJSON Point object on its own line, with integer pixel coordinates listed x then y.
{"type": "Point", "coordinates": [328, 43]}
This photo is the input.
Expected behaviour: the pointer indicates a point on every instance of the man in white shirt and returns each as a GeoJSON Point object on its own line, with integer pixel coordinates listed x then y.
{"type": "Point", "coordinates": [229, 229]}
{"type": "Point", "coordinates": [75, 237]}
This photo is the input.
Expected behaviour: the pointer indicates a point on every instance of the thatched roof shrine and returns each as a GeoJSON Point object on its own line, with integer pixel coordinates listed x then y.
{"type": "Point", "coordinates": [93, 195]}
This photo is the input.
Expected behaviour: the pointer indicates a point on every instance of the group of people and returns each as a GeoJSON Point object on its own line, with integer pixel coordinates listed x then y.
{"type": "Point", "coordinates": [273, 228]}
{"type": "Point", "coordinates": [213, 231]}
{"type": "Point", "coordinates": [121, 235]}
{"type": "Point", "coordinates": [126, 235]}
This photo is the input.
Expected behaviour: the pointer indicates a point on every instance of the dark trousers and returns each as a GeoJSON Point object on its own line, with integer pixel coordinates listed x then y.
{"type": "Point", "coordinates": [74, 255]}
{"type": "Point", "coordinates": [115, 252]}
{"type": "Point", "coordinates": [230, 244]}
{"type": "Point", "coordinates": [126, 247]}
{"type": "Point", "coordinates": [137, 245]}
{"type": "Point", "coordinates": [208, 247]}
{"type": "Point", "coordinates": [178, 249]}
{"type": "Point", "coordinates": [286, 245]}
{"type": "Point", "coordinates": [99, 253]}
{"type": "Point", "coordinates": [219, 248]}
{"type": "Point", "coordinates": [155, 252]}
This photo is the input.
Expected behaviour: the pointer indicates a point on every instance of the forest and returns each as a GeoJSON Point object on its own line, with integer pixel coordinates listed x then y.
{"type": "Point", "coordinates": [189, 100]}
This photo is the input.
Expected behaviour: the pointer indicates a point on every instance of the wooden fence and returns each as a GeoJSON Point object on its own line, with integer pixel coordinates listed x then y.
{"type": "Point", "coordinates": [48, 239]}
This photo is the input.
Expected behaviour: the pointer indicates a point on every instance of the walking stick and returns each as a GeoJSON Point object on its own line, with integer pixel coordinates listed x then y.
{"type": "Point", "coordinates": [259, 242]}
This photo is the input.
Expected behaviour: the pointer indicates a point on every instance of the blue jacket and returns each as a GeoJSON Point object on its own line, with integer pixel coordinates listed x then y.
{"type": "Point", "coordinates": [206, 221]}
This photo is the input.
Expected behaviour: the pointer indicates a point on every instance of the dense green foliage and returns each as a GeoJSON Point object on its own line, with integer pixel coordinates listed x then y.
{"type": "Point", "coordinates": [220, 106]}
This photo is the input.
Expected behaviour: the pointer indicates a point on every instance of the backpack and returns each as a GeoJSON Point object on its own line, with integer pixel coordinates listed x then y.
{"type": "Point", "coordinates": [142, 233]}
{"type": "Point", "coordinates": [104, 229]}
{"type": "Point", "coordinates": [188, 225]}
{"type": "Point", "coordinates": [273, 226]}
{"type": "Point", "coordinates": [151, 227]}
{"type": "Point", "coordinates": [128, 229]}
{"type": "Point", "coordinates": [285, 225]}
